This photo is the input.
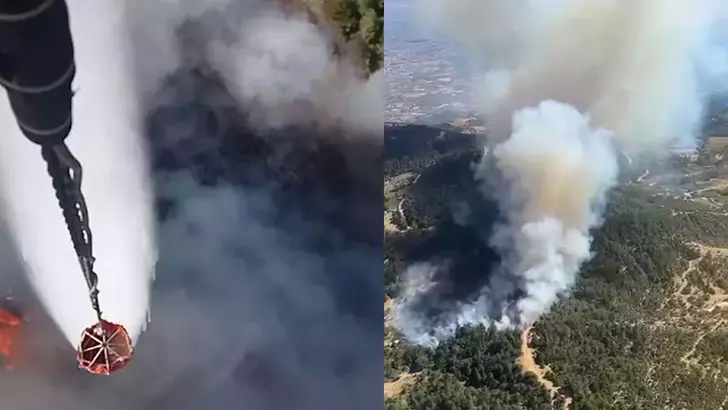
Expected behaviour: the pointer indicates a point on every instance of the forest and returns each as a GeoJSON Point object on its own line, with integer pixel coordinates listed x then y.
{"type": "Point", "coordinates": [623, 338]}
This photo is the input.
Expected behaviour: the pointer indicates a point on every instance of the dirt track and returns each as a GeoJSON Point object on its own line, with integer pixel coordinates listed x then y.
{"type": "Point", "coordinates": [528, 363]}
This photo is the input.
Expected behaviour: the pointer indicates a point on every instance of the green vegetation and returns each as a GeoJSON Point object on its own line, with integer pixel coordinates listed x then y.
{"type": "Point", "coordinates": [475, 370]}
{"type": "Point", "coordinates": [629, 336]}
{"type": "Point", "coordinates": [362, 25]}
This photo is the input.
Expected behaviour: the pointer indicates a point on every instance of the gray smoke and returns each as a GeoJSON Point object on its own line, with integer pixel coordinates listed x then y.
{"type": "Point", "coordinates": [268, 285]}
{"type": "Point", "coordinates": [570, 84]}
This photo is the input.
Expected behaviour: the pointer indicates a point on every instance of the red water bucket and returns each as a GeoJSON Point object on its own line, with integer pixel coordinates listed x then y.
{"type": "Point", "coordinates": [105, 348]}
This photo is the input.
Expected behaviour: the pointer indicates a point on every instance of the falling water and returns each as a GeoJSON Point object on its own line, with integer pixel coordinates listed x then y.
{"type": "Point", "coordinates": [106, 138]}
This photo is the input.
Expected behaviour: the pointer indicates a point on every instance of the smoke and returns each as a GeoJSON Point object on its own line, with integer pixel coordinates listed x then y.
{"type": "Point", "coordinates": [267, 179]}
{"type": "Point", "coordinates": [558, 170]}
{"type": "Point", "coordinates": [570, 86]}
{"type": "Point", "coordinates": [277, 81]}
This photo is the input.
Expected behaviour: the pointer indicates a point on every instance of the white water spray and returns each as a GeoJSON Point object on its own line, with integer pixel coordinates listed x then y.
{"type": "Point", "coordinates": [106, 138]}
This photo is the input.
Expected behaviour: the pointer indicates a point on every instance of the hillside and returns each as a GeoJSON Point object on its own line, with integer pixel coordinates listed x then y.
{"type": "Point", "coordinates": [358, 27]}
{"type": "Point", "coordinates": [643, 328]}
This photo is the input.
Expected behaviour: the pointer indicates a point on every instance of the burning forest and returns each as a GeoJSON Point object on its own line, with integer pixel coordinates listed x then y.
{"type": "Point", "coordinates": [565, 95]}
{"type": "Point", "coordinates": [10, 327]}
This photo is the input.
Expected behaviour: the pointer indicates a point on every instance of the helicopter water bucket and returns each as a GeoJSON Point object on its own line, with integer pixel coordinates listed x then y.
{"type": "Point", "coordinates": [105, 348]}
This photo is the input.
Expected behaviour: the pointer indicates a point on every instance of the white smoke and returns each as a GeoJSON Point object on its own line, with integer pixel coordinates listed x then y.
{"type": "Point", "coordinates": [558, 171]}
{"type": "Point", "coordinates": [418, 280]}
{"type": "Point", "coordinates": [274, 75]}
{"type": "Point", "coordinates": [569, 85]}
{"type": "Point", "coordinates": [280, 82]}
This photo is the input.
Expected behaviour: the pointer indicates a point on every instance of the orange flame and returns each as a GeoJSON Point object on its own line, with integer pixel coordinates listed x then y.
{"type": "Point", "coordinates": [9, 326]}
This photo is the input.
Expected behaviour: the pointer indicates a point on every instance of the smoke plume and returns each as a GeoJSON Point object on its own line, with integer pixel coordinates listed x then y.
{"type": "Point", "coordinates": [265, 154]}
{"type": "Point", "coordinates": [570, 86]}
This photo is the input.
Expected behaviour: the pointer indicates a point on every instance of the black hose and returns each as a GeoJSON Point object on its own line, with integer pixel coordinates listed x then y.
{"type": "Point", "coordinates": [64, 188]}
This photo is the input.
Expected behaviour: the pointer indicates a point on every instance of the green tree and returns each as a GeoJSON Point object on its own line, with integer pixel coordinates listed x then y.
{"type": "Point", "coordinates": [361, 23]}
